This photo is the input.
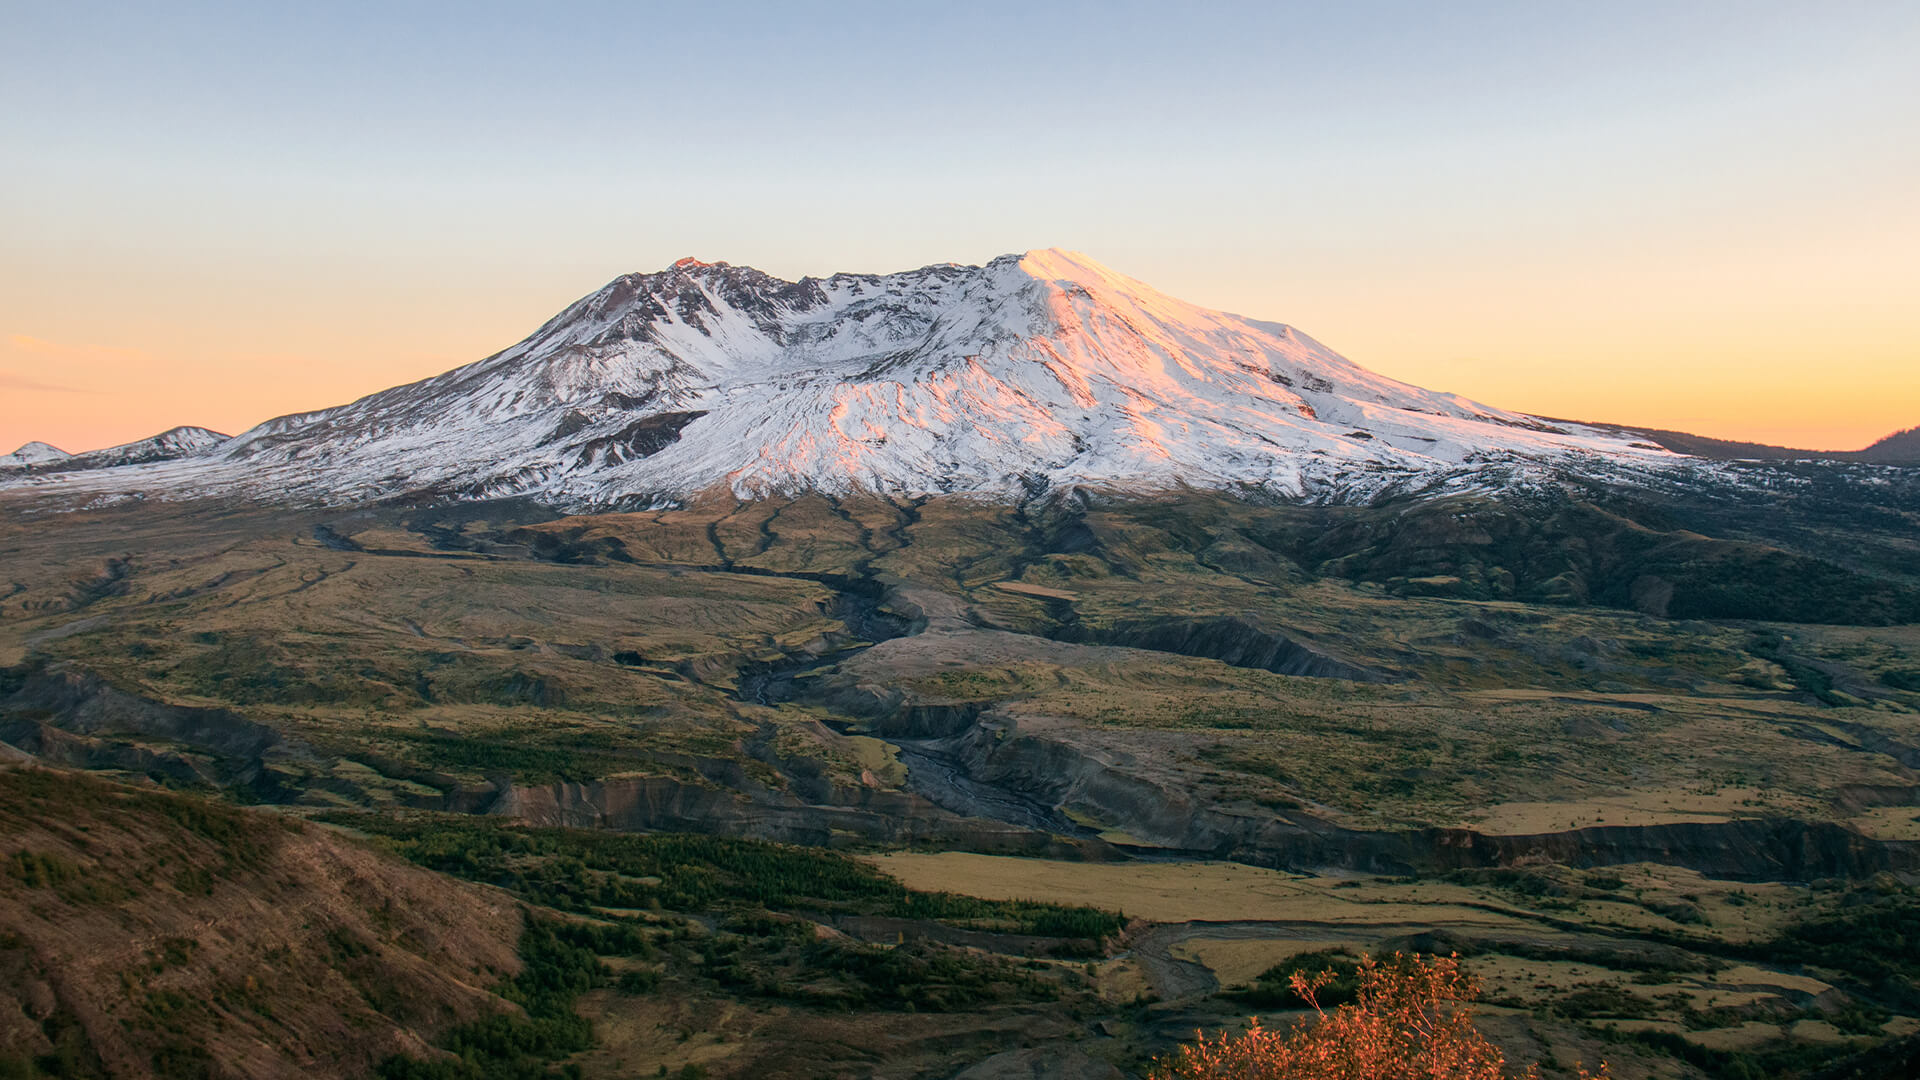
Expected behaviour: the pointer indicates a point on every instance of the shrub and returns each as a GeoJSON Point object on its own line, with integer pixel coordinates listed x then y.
{"type": "Point", "coordinates": [1411, 1019]}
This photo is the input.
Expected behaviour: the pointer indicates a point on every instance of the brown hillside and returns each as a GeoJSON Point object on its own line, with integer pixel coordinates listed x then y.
{"type": "Point", "coordinates": [149, 933]}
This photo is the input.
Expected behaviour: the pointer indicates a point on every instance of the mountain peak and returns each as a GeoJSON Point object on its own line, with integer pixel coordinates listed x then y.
{"type": "Point", "coordinates": [174, 443]}
{"type": "Point", "coordinates": [1062, 264]}
{"type": "Point", "coordinates": [34, 453]}
{"type": "Point", "coordinates": [1073, 268]}
{"type": "Point", "coordinates": [1044, 369]}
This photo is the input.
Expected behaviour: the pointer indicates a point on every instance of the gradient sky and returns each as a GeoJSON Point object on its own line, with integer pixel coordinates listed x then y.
{"type": "Point", "coordinates": [1702, 216]}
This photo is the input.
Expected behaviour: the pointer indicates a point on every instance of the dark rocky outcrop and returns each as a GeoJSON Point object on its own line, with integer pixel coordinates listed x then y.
{"type": "Point", "coordinates": [83, 703]}
{"type": "Point", "coordinates": [1746, 849]}
{"type": "Point", "coordinates": [642, 438]}
{"type": "Point", "coordinates": [1168, 821]}
{"type": "Point", "coordinates": [1234, 640]}
{"type": "Point", "coordinates": [843, 815]}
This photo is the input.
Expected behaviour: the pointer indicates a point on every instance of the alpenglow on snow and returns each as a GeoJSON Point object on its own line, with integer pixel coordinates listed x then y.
{"type": "Point", "coordinates": [1033, 372]}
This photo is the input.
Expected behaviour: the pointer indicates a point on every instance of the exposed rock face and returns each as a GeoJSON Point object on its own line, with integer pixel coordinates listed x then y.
{"type": "Point", "coordinates": [839, 816]}
{"type": "Point", "coordinates": [85, 703]}
{"type": "Point", "coordinates": [59, 714]}
{"type": "Point", "coordinates": [1107, 785]}
{"type": "Point", "coordinates": [978, 779]}
{"type": "Point", "coordinates": [1750, 849]}
{"type": "Point", "coordinates": [1237, 641]}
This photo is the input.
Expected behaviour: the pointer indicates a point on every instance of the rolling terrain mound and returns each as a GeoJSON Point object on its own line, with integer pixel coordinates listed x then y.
{"type": "Point", "coordinates": [1899, 448]}
{"type": "Point", "coordinates": [145, 933]}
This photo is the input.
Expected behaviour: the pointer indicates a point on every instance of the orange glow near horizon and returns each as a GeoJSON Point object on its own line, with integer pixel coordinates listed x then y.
{"type": "Point", "coordinates": [1833, 370]}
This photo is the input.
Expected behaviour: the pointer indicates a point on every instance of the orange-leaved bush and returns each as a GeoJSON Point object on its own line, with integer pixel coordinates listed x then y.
{"type": "Point", "coordinates": [1412, 1019]}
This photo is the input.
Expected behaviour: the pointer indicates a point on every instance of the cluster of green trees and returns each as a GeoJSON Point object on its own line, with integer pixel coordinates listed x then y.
{"type": "Point", "coordinates": [580, 870]}
{"type": "Point", "coordinates": [759, 948]}
{"type": "Point", "coordinates": [755, 952]}
{"type": "Point", "coordinates": [1273, 988]}
{"type": "Point", "coordinates": [559, 962]}
{"type": "Point", "coordinates": [494, 753]}
{"type": "Point", "coordinates": [1037, 918]}
{"type": "Point", "coordinates": [1872, 934]}
{"type": "Point", "coordinates": [764, 956]}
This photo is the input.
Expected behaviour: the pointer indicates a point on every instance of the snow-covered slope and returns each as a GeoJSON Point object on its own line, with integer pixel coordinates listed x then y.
{"type": "Point", "coordinates": [1031, 371]}
{"type": "Point", "coordinates": [34, 453]}
{"type": "Point", "coordinates": [171, 445]}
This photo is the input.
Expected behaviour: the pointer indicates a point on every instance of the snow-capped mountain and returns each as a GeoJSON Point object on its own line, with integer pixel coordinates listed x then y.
{"type": "Point", "coordinates": [1034, 370]}
{"type": "Point", "coordinates": [34, 453]}
{"type": "Point", "coordinates": [170, 445]}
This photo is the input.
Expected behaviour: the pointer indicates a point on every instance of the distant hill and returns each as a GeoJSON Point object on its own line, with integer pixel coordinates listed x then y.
{"type": "Point", "coordinates": [169, 445]}
{"type": "Point", "coordinates": [1899, 448]}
